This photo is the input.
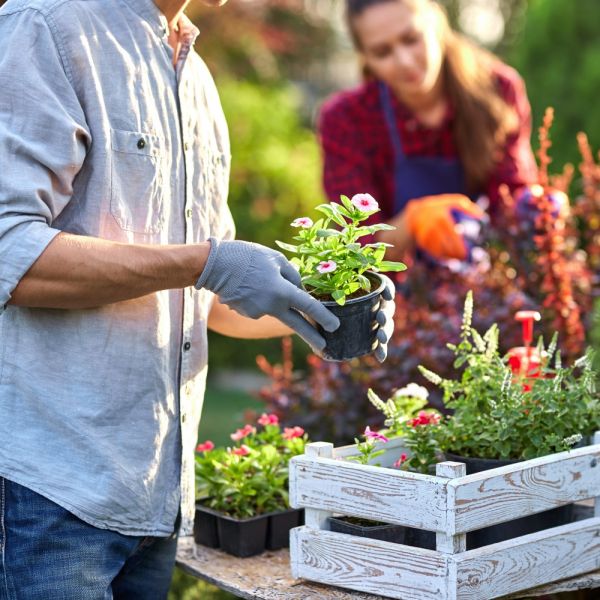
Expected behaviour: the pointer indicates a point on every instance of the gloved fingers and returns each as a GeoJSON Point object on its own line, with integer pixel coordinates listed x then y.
{"type": "Point", "coordinates": [389, 292]}
{"type": "Point", "coordinates": [304, 329]}
{"type": "Point", "coordinates": [386, 325]}
{"type": "Point", "coordinates": [380, 352]}
{"type": "Point", "coordinates": [468, 207]}
{"type": "Point", "coordinates": [313, 309]}
{"type": "Point", "coordinates": [289, 272]}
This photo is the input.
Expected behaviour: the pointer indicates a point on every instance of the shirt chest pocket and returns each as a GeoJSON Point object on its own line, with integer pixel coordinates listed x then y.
{"type": "Point", "coordinates": [136, 200]}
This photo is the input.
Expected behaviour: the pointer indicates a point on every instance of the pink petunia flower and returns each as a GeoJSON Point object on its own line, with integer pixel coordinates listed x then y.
{"type": "Point", "coordinates": [400, 461]}
{"type": "Point", "coordinates": [373, 435]}
{"type": "Point", "coordinates": [425, 418]}
{"type": "Point", "coordinates": [240, 434]}
{"type": "Point", "coordinates": [327, 266]}
{"type": "Point", "coordinates": [266, 419]}
{"type": "Point", "coordinates": [243, 450]}
{"type": "Point", "coordinates": [365, 202]}
{"type": "Point", "coordinates": [207, 446]}
{"type": "Point", "coordinates": [289, 433]}
{"type": "Point", "coordinates": [304, 222]}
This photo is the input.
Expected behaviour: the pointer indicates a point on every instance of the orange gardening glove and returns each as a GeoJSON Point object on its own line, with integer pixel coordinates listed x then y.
{"type": "Point", "coordinates": [432, 223]}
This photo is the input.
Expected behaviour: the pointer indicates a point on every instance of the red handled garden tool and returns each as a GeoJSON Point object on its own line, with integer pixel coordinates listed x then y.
{"type": "Point", "coordinates": [526, 361]}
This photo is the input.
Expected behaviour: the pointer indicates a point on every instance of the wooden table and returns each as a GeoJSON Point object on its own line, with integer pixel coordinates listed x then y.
{"type": "Point", "coordinates": [268, 577]}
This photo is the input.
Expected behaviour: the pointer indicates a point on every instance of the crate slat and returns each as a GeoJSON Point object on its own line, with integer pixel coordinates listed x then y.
{"type": "Point", "coordinates": [515, 565]}
{"type": "Point", "coordinates": [515, 491]}
{"type": "Point", "coordinates": [370, 492]}
{"type": "Point", "coordinates": [368, 565]}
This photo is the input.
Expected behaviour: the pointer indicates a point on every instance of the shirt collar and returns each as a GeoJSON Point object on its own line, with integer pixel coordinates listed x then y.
{"type": "Point", "coordinates": [151, 13]}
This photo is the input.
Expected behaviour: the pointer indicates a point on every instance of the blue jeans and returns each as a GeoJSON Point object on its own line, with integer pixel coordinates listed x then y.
{"type": "Point", "coordinates": [46, 552]}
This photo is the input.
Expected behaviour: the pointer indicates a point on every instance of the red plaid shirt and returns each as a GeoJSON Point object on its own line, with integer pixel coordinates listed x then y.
{"type": "Point", "coordinates": [358, 155]}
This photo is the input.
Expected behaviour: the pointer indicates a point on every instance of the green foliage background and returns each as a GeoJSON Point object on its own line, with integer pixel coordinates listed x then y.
{"type": "Point", "coordinates": [557, 54]}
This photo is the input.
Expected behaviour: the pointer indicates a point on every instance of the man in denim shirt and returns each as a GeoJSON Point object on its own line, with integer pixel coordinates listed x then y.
{"type": "Point", "coordinates": [115, 238]}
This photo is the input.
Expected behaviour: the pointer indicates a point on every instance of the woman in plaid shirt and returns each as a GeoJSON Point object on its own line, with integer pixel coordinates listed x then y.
{"type": "Point", "coordinates": [437, 123]}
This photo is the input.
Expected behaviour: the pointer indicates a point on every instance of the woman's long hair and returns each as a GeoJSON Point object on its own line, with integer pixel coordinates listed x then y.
{"type": "Point", "coordinates": [483, 119]}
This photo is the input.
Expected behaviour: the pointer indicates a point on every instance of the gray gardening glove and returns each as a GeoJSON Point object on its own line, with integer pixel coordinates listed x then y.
{"type": "Point", "coordinates": [256, 281]}
{"type": "Point", "coordinates": [385, 318]}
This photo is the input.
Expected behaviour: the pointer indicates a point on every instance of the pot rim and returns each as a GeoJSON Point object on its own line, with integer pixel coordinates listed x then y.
{"type": "Point", "coordinates": [217, 513]}
{"type": "Point", "coordinates": [371, 294]}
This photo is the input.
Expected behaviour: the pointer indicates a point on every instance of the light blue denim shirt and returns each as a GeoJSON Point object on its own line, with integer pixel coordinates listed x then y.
{"type": "Point", "coordinates": [101, 136]}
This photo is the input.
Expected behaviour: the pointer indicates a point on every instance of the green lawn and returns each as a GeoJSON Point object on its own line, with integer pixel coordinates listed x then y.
{"type": "Point", "coordinates": [222, 414]}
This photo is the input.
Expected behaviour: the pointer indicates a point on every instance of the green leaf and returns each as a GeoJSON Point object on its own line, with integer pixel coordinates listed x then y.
{"type": "Point", "coordinates": [339, 296]}
{"type": "Point", "coordinates": [388, 265]}
{"type": "Point", "coordinates": [288, 247]}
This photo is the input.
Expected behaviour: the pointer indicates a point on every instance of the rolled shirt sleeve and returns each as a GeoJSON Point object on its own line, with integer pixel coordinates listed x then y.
{"type": "Point", "coordinates": [43, 142]}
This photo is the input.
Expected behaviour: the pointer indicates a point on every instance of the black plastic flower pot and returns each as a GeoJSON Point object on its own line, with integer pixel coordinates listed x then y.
{"type": "Point", "coordinates": [510, 529]}
{"type": "Point", "coordinates": [205, 526]}
{"type": "Point", "coordinates": [376, 531]}
{"type": "Point", "coordinates": [356, 335]}
{"type": "Point", "coordinates": [420, 538]}
{"type": "Point", "coordinates": [243, 537]}
{"type": "Point", "coordinates": [280, 524]}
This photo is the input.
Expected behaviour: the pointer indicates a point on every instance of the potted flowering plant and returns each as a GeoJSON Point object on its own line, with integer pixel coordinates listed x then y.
{"type": "Point", "coordinates": [341, 273]}
{"type": "Point", "coordinates": [243, 489]}
{"type": "Point", "coordinates": [501, 418]}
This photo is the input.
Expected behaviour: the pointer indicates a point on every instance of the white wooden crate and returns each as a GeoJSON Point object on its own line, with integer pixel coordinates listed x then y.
{"type": "Point", "coordinates": [451, 504]}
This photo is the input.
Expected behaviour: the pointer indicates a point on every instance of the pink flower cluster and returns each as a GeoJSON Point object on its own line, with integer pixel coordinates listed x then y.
{"type": "Point", "coordinates": [373, 435]}
{"type": "Point", "coordinates": [289, 433]}
{"type": "Point", "coordinates": [245, 431]}
{"type": "Point", "coordinates": [266, 419]}
{"type": "Point", "coordinates": [403, 458]}
{"type": "Point", "coordinates": [425, 418]}
{"type": "Point", "coordinates": [206, 446]}
{"type": "Point", "coordinates": [304, 222]}
{"type": "Point", "coordinates": [365, 202]}
{"type": "Point", "coordinates": [243, 450]}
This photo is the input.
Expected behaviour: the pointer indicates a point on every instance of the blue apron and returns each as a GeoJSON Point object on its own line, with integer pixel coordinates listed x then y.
{"type": "Point", "coordinates": [418, 176]}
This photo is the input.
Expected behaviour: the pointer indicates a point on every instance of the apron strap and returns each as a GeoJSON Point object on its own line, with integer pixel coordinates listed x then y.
{"type": "Point", "coordinates": [385, 98]}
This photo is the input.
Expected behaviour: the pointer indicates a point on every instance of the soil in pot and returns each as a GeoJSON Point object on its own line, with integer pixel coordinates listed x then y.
{"type": "Point", "coordinates": [205, 526]}
{"type": "Point", "coordinates": [280, 523]}
{"type": "Point", "coordinates": [368, 529]}
{"type": "Point", "coordinates": [243, 537]}
{"type": "Point", "coordinates": [509, 529]}
{"type": "Point", "coordinates": [356, 335]}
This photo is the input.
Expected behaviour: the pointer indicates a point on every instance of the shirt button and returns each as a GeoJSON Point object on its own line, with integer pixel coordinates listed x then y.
{"type": "Point", "coordinates": [187, 346]}
{"type": "Point", "coordinates": [188, 213]}
{"type": "Point", "coordinates": [141, 143]}
{"type": "Point", "coordinates": [186, 146]}
{"type": "Point", "coordinates": [183, 418]}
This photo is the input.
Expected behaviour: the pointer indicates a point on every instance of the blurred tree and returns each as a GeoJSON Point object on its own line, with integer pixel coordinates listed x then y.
{"type": "Point", "coordinates": [557, 54]}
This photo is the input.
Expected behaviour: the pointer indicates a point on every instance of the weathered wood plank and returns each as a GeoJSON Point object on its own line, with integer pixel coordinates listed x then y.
{"type": "Point", "coordinates": [525, 488]}
{"type": "Point", "coordinates": [313, 517]}
{"type": "Point", "coordinates": [367, 565]}
{"type": "Point", "coordinates": [386, 495]}
{"type": "Point", "coordinates": [508, 567]}
{"type": "Point", "coordinates": [451, 544]}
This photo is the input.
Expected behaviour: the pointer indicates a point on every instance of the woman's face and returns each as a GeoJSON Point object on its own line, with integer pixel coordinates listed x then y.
{"type": "Point", "coordinates": [401, 46]}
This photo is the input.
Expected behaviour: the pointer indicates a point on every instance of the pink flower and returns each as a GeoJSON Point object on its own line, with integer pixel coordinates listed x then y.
{"type": "Point", "coordinates": [373, 435]}
{"type": "Point", "coordinates": [243, 450]}
{"type": "Point", "coordinates": [400, 461]}
{"type": "Point", "coordinates": [327, 266]}
{"type": "Point", "coordinates": [289, 433]}
{"type": "Point", "coordinates": [240, 434]}
{"type": "Point", "coordinates": [365, 202]}
{"type": "Point", "coordinates": [205, 447]}
{"type": "Point", "coordinates": [266, 419]}
{"type": "Point", "coordinates": [425, 418]}
{"type": "Point", "coordinates": [304, 222]}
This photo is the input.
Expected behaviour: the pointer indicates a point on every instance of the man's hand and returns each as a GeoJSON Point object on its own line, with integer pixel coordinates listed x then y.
{"type": "Point", "coordinates": [385, 318]}
{"type": "Point", "coordinates": [257, 281]}
{"type": "Point", "coordinates": [436, 224]}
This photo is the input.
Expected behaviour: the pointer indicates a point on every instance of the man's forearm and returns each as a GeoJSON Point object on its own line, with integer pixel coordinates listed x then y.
{"type": "Point", "coordinates": [226, 321]}
{"type": "Point", "coordinates": [76, 272]}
